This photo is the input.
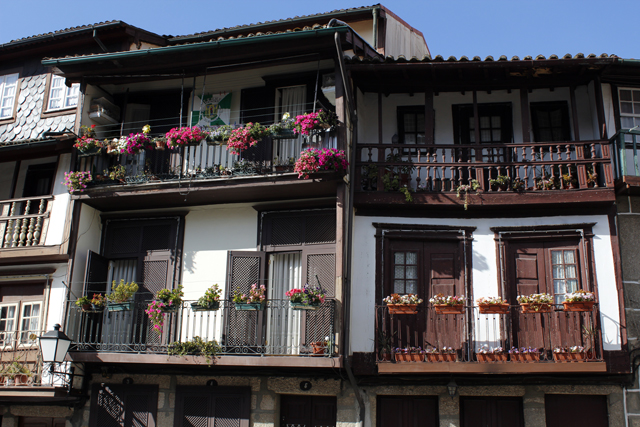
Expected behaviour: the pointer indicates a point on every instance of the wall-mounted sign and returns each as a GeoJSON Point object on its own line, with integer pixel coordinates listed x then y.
{"type": "Point", "coordinates": [214, 110]}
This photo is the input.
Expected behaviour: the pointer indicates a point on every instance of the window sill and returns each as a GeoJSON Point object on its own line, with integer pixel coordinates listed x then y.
{"type": "Point", "coordinates": [60, 112]}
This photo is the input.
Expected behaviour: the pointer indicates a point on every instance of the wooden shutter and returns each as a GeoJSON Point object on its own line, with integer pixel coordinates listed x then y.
{"type": "Point", "coordinates": [121, 405]}
{"type": "Point", "coordinates": [566, 410]}
{"type": "Point", "coordinates": [308, 411]}
{"type": "Point", "coordinates": [96, 273]}
{"type": "Point", "coordinates": [244, 328]}
{"type": "Point", "coordinates": [40, 422]}
{"type": "Point", "coordinates": [491, 412]}
{"type": "Point", "coordinates": [212, 406]}
{"type": "Point", "coordinates": [407, 411]}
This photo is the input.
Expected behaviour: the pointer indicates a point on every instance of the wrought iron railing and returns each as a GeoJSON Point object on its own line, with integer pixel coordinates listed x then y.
{"type": "Point", "coordinates": [443, 168]}
{"type": "Point", "coordinates": [626, 144]}
{"type": "Point", "coordinates": [204, 161]}
{"type": "Point", "coordinates": [24, 221]}
{"type": "Point", "coordinates": [276, 329]}
{"type": "Point", "coordinates": [471, 333]}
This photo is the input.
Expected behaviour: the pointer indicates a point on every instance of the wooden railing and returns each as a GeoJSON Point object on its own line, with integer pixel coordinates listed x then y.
{"type": "Point", "coordinates": [24, 222]}
{"type": "Point", "coordinates": [441, 168]}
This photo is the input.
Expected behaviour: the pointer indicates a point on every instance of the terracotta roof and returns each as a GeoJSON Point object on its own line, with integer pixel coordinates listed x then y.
{"type": "Point", "coordinates": [452, 59]}
{"type": "Point", "coordinates": [272, 23]}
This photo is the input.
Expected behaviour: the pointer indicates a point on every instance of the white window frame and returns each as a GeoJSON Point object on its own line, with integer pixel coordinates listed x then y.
{"type": "Point", "coordinates": [13, 337]}
{"type": "Point", "coordinates": [634, 115]}
{"type": "Point", "coordinates": [7, 336]}
{"type": "Point", "coordinates": [8, 92]}
{"type": "Point", "coordinates": [29, 329]}
{"type": "Point", "coordinates": [62, 97]}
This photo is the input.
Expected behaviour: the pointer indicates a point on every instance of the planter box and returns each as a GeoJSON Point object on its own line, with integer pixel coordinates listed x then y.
{"type": "Point", "coordinates": [535, 308]}
{"type": "Point", "coordinates": [318, 347]}
{"type": "Point", "coordinates": [92, 308]}
{"type": "Point", "coordinates": [525, 357]}
{"type": "Point", "coordinates": [249, 307]}
{"type": "Point", "coordinates": [494, 308]}
{"type": "Point", "coordinates": [403, 308]}
{"type": "Point", "coordinates": [578, 306]}
{"type": "Point", "coordinates": [409, 357]}
{"type": "Point", "coordinates": [284, 134]}
{"type": "Point", "coordinates": [449, 309]}
{"type": "Point", "coordinates": [442, 357]}
{"type": "Point", "coordinates": [91, 152]}
{"type": "Point", "coordinates": [303, 306]}
{"type": "Point", "coordinates": [562, 356]}
{"type": "Point", "coordinates": [492, 357]}
{"type": "Point", "coordinates": [120, 306]}
{"type": "Point", "coordinates": [212, 307]}
{"type": "Point", "coordinates": [169, 308]}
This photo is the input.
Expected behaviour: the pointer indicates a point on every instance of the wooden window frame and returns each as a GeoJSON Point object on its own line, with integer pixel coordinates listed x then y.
{"type": "Point", "coordinates": [463, 112]}
{"type": "Point", "coordinates": [63, 111]}
{"type": "Point", "coordinates": [413, 110]}
{"type": "Point", "coordinates": [14, 113]}
{"type": "Point", "coordinates": [618, 105]}
{"type": "Point", "coordinates": [566, 122]}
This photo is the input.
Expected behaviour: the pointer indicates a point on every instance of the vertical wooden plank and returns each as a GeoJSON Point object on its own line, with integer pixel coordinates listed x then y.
{"type": "Point", "coordinates": [574, 114]}
{"type": "Point", "coordinates": [429, 119]}
{"type": "Point", "coordinates": [525, 114]}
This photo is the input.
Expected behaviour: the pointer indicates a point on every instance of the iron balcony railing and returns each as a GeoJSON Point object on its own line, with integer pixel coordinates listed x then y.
{"type": "Point", "coordinates": [24, 221]}
{"type": "Point", "coordinates": [469, 334]}
{"type": "Point", "coordinates": [276, 329]}
{"type": "Point", "coordinates": [440, 168]}
{"type": "Point", "coordinates": [626, 144]}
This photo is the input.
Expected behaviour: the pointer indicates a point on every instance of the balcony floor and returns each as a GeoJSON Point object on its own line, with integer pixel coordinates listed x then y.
{"type": "Point", "coordinates": [490, 368]}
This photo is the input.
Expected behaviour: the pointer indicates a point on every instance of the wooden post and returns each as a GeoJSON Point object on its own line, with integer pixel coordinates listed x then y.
{"type": "Point", "coordinates": [428, 116]}
{"type": "Point", "coordinates": [574, 114]}
{"type": "Point", "coordinates": [525, 114]}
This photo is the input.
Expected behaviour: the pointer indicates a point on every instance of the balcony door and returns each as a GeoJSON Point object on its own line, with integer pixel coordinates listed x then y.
{"type": "Point", "coordinates": [292, 100]}
{"type": "Point", "coordinates": [284, 323]}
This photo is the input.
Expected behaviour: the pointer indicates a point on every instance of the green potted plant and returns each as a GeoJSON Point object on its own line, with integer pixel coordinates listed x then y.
{"type": "Point", "coordinates": [535, 303]}
{"type": "Point", "coordinates": [170, 298]}
{"type": "Point", "coordinates": [210, 301]}
{"type": "Point", "coordinates": [87, 144]}
{"type": "Point", "coordinates": [17, 373]}
{"type": "Point", "coordinates": [308, 298]}
{"type": "Point", "coordinates": [284, 128]}
{"type": "Point", "coordinates": [98, 303]}
{"type": "Point", "coordinates": [120, 298]}
{"type": "Point", "coordinates": [385, 345]}
{"type": "Point", "coordinates": [501, 183]}
{"type": "Point", "coordinates": [196, 347]}
{"type": "Point", "coordinates": [84, 303]}
{"type": "Point", "coordinates": [253, 300]}
{"type": "Point", "coordinates": [518, 185]}
{"type": "Point", "coordinates": [466, 189]}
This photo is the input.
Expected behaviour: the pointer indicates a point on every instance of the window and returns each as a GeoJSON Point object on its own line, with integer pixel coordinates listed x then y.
{"type": "Point", "coordinates": [629, 108]}
{"type": "Point", "coordinates": [494, 120]}
{"type": "Point", "coordinates": [8, 89]}
{"type": "Point", "coordinates": [550, 121]}
{"type": "Point", "coordinates": [411, 125]}
{"type": "Point", "coordinates": [28, 321]}
{"type": "Point", "coordinates": [39, 180]}
{"type": "Point", "coordinates": [61, 96]}
{"type": "Point", "coordinates": [564, 267]}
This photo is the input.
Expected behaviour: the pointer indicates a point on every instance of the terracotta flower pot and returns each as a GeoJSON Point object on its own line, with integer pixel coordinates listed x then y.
{"type": "Point", "coordinates": [562, 357]}
{"type": "Point", "coordinates": [403, 308]}
{"type": "Point", "coordinates": [578, 306]}
{"type": "Point", "coordinates": [491, 357]}
{"type": "Point", "coordinates": [493, 308]}
{"type": "Point", "coordinates": [318, 347]}
{"type": "Point", "coordinates": [449, 309]}
{"type": "Point", "coordinates": [535, 308]}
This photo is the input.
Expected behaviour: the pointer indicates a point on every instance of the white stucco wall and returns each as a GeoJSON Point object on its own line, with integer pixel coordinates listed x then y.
{"type": "Point", "coordinates": [89, 234]}
{"type": "Point", "coordinates": [484, 269]}
{"type": "Point", "coordinates": [57, 297]}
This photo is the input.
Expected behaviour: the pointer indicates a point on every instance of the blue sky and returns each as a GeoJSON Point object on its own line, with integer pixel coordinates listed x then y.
{"type": "Point", "coordinates": [453, 27]}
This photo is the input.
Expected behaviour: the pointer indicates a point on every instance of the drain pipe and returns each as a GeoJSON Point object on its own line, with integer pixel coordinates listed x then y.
{"type": "Point", "coordinates": [348, 234]}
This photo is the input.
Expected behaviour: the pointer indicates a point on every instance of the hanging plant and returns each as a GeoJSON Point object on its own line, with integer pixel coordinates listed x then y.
{"type": "Point", "coordinates": [180, 137]}
{"type": "Point", "coordinates": [245, 137]}
{"type": "Point", "coordinates": [312, 160]}
{"type": "Point", "coordinates": [76, 180]}
{"type": "Point", "coordinates": [312, 121]}
{"type": "Point", "coordinates": [88, 141]}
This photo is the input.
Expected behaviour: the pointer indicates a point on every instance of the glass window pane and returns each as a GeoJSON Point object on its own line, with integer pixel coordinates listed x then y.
{"type": "Point", "coordinates": [559, 287]}
{"type": "Point", "coordinates": [485, 122]}
{"type": "Point", "coordinates": [570, 271]}
{"type": "Point", "coordinates": [625, 95]}
{"type": "Point", "coordinates": [572, 285]}
{"type": "Point", "coordinates": [556, 257]}
{"type": "Point", "coordinates": [485, 135]}
{"type": "Point", "coordinates": [495, 135]}
{"type": "Point", "coordinates": [626, 108]}
{"type": "Point", "coordinates": [409, 122]}
{"type": "Point", "coordinates": [398, 273]}
{"type": "Point", "coordinates": [412, 258]}
{"type": "Point", "coordinates": [558, 272]}
{"type": "Point", "coordinates": [495, 121]}
{"type": "Point", "coordinates": [569, 257]}
{"type": "Point", "coordinates": [420, 124]}
{"type": "Point", "coordinates": [636, 107]}
{"type": "Point", "coordinates": [412, 272]}
{"type": "Point", "coordinates": [398, 286]}
{"type": "Point", "coordinates": [636, 95]}
{"type": "Point", "coordinates": [412, 287]}
{"type": "Point", "coordinates": [626, 122]}
{"type": "Point", "coordinates": [399, 257]}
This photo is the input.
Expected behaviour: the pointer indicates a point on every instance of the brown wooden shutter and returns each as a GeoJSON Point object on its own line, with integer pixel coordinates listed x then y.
{"type": "Point", "coordinates": [407, 411]}
{"type": "Point", "coordinates": [308, 411]}
{"type": "Point", "coordinates": [212, 406]}
{"type": "Point", "coordinates": [244, 328]}
{"type": "Point", "coordinates": [96, 273]}
{"type": "Point", "coordinates": [117, 405]}
{"type": "Point", "coordinates": [491, 411]}
{"type": "Point", "coordinates": [576, 410]}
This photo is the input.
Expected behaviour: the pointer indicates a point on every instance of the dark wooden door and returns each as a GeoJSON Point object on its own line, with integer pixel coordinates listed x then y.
{"type": "Point", "coordinates": [570, 410]}
{"type": "Point", "coordinates": [307, 411]}
{"type": "Point", "coordinates": [40, 422]}
{"type": "Point", "coordinates": [407, 411]}
{"type": "Point", "coordinates": [491, 412]}
{"type": "Point", "coordinates": [212, 406]}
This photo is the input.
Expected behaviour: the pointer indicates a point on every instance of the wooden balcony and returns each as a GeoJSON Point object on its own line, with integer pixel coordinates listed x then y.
{"type": "Point", "coordinates": [545, 172]}
{"type": "Point", "coordinates": [24, 222]}
{"type": "Point", "coordinates": [245, 338]}
{"type": "Point", "coordinates": [625, 145]}
{"type": "Point", "coordinates": [469, 333]}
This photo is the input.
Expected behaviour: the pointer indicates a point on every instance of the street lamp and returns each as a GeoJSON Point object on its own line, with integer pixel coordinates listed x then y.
{"type": "Point", "coordinates": [452, 387]}
{"type": "Point", "coordinates": [54, 345]}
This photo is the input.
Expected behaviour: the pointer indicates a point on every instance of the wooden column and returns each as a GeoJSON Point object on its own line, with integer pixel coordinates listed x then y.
{"type": "Point", "coordinates": [429, 119]}
{"type": "Point", "coordinates": [340, 109]}
{"type": "Point", "coordinates": [574, 115]}
{"type": "Point", "coordinates": [525, 114]}
{"type": "Point", "coordinates": [602, 125]}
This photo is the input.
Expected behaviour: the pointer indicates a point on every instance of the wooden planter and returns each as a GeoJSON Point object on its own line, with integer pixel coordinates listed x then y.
{"type": "Point", "coordinates": [494, 308]}
{"type": "Point", "coordinates": [249, 307]}
{"type": "Point", "coordinates": [211, 307]}
{"type": "Point", "coordinates": [403, 308]}
{"type": "Point", "coordinates": [409, 357]}
{"type": "Point", "coordinates": [303, 306]}
{"type": "Point", "coordinates": [449, 309]}
{"type": "Point", "coordinates": [578, 306]}
{"type": "Point", "coordinates": [492, 357]}
{"type": "Point", "coordinates": [525, 357]}
{"type": "Point", "coordinates": [535, 308]}
{"type": "Point", "coordinates": [120, 306]}
{"type": "Point", "coordinates": [442, 357]}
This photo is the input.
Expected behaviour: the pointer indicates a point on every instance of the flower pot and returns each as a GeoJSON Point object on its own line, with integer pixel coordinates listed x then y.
{"type": "Point", "coordinates": [385, 357]}
{"type": "Point", "coordinates": [442, 357]}
{"type": "Point", "coordinates": [303, 306]}
{"type": "Point", "coordinates": [89, 152]}
{"type": "Point", "coordinates": [402, 357]}
{"type": "Point", "coordinates": [562, 356]}
{"type": "Point", "coordinates": [120, 306]}
{"type": "Point", "coordinates": [249, 307]}
{"type": "Point", "coordinates": [211, 307]}
{"type": "Point", "coordinates": [525, 357]}
{"type": "Point", "coordinates": [579, 356]}
{"type": "Point", "coordinates": [449, 309]}
{"type": "Point", "coordinates": [578, 306]}
{"type": "Point", "coordinates": [318, 347]}
{"type": "Point", "coordinates": [494, 308]}
{"type": "Point", "coordinates": [403, 308]}
{"type": "Point", "coordinates": [161, 145]}
{"type": "Point", "coordinates": [112, 150]}
{"type": "Point", "coordinates": [491, 357]}
{"type": "Point", "coordinates": [21, 380]}
{"type": "Point", "coordinates": [535, 308]}
{"type": "Point", "coordinates": [86, 307]}
{"type": "Point", "coordinates": [284, 134]}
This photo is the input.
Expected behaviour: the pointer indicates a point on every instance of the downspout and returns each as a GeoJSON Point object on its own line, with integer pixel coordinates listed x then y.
{"type": "Point", "coordinates": [348, 234]}
{"type": "Point", "coordinates": [375, 28]}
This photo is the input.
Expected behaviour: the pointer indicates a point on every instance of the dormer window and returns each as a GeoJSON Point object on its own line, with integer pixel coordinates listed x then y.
{"type": "Point", "coordinates": [60, 96]}
{"type": "Point", "coordinates": [8, 89]}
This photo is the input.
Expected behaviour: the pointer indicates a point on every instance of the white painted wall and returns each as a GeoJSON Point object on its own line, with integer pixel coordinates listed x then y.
{"type": "Point", "coordinates": [89, 234]}
{"type": "Point", "coordinates": [57, 297]}
{"type": "Point", "coordinates": [61, 202]}
{"type": "Point", "coordinates": [484, 269]}
{"type": "Point", "coordinates": [403, 40]}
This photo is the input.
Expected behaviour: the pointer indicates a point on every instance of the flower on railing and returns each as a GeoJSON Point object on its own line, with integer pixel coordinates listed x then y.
{"type": "Point", "coordinates": [490, 301]}
{"type": "Point", "coordinates": [76, 180]}
{"type": "Point", "coordinates": [402, 299]}
{"type": "Point", "coordinates": [87, 140]}
{"type": "Point", "coordinates": [466, 189]}
{"type": "Point", "coordinates": [155, 311]}
{"type": "Point", "coordinates": [580, 296]}
{"type": "Point", "coordinates": [409, 350]}
{"type": "Point", "coordinates": [523, 350]}
{"type": "Point", "coordinates": [254, 296]}
{"type": "Point", "coordinates": [573, 349]}
{"type": "Point", "coordinates": [221, 133]}
{"type": "Point", "coordinates": [287, 123]}
{"type": "Point", "coordinates": [136, 143]}
{"type": "Point", "coordinates": [310, 121]}
{"type": "Point", "coordinates": [535, 299]}
{"type": "Point", "coordinates": [310, 294]}
{"type": "Point", "coordinates": [211, 296]}
{"type": "Point", "coordinates": [443, 350]}
{"type": "Point", "coordinates": [171, 297]}
{"type": "Point", "coordinates": [179, 137]}
{"type": "Point", "coordinates": [245, 137]}
{"type": "Point", "coordinates": [312, 160]}
{"type": "Point", "coordinates": [485, 349]}
{"type": "Point", "coordinates": [441, 299]}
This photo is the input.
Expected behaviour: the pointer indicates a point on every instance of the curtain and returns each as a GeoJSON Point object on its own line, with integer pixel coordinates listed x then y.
{"type": "Point", "coordinates": [292, 101]}
{"type": "Point", "coordinates": [283, 323]}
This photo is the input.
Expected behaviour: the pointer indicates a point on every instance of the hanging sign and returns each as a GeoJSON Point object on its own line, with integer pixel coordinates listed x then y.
{"type": "Point", "coordinates": [215, 110]}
